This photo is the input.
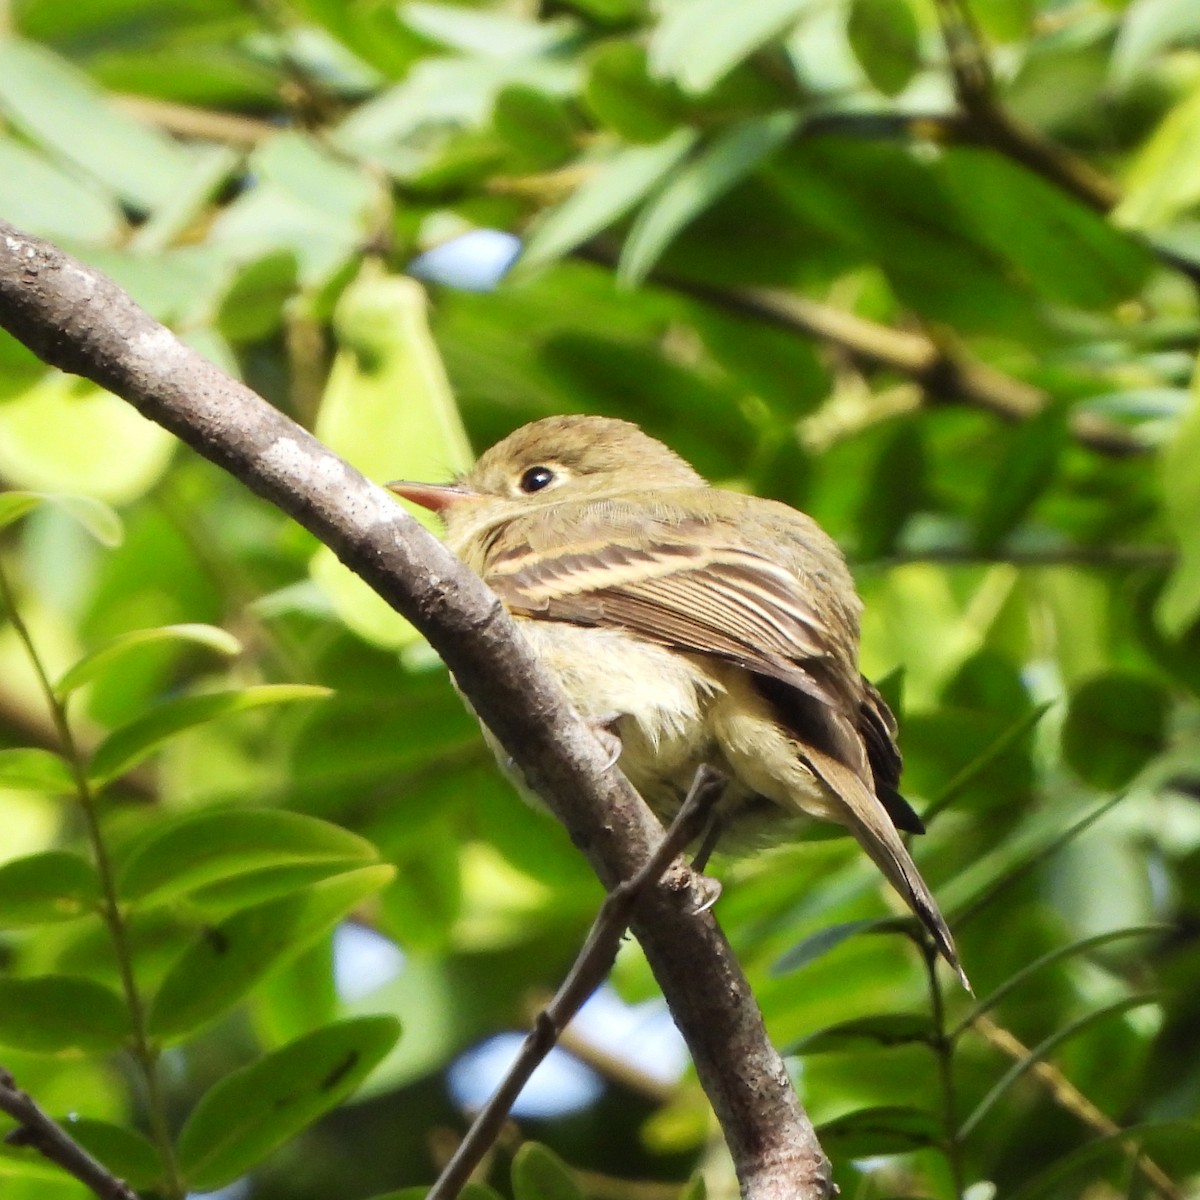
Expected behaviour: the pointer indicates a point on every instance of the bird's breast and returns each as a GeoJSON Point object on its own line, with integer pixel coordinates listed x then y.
{"type": "Point", "coordinates": [661, 698]}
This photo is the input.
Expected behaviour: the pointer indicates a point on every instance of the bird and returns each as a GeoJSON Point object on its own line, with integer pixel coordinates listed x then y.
{"type": "Point", "coordinates": [702, 626]}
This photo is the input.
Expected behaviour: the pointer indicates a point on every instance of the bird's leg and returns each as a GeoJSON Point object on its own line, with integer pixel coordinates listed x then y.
{"type": "Point", "coordinates": [710, 834]}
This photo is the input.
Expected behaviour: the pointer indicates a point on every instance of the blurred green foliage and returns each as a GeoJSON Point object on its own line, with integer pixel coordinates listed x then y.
{"type": "Point", "coordinates": [927, 272]}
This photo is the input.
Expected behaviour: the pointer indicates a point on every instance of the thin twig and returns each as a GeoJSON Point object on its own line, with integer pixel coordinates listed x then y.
{"type": "Point", "coordinates": [144, 1053]}
{"type": "Point", "coordinates": [39, 1130]}
{"type": "Point", "coordinates": [589, 970]}
{"type": "Point", "coordinates": [1066, 1095]}
{"type": "Point", "coordinates": [946, 374]}
{"type": "Point", "coordinates": [993, 125]}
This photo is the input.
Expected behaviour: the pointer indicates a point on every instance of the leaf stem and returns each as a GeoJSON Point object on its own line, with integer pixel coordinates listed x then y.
{"type": "Point", "coordinates": [144, 1053]}
{"type": "Point", "coordinates": [943, 1048]}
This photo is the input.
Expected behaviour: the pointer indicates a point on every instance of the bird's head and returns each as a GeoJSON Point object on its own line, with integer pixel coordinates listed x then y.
{"type": "Point", "coordinates": [548, 461]}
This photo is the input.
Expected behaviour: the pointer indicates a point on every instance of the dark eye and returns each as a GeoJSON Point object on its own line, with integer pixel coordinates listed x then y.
{"type": "Point", "coordinates": [536, 478]}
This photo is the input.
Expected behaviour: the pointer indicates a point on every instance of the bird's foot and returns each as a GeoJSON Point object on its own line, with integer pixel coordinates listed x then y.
{"type": "Point", "coordinates": [604, 729]}
{"type": "Point", "coordinates": [707, 891]}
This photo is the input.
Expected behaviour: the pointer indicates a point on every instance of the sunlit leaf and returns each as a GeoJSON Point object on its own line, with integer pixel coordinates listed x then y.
{"type": "Point", "coordinates": [388, 409]}
{"type": "Point", "coordinates": [124, 748]}
{"type": "Point", "coordinates": [98, 518]}
{"type": "Point", "coordinates": [696, 185]}
{"type": "Point", "coordinates": [220, 844]}
{"type": "Point", "coordinates": [247, 1114]}
{"type": "Point", "coordinates": [41, 889]}
{"type": "Point", "coordinates": [111, 654]}
{"type": "Point", "coordinates": [539, 1174]}
{"type": "Point", "coordinates": [697, 44]}
{"type": "Point", "coordinates": [611, 189]}
{"type": "Point", "coordinates": [36, 771]}
{"type": "Point", "coordinates": [886, 40]}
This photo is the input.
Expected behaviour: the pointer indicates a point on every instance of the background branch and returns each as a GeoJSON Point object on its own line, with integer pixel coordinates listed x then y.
{"type": "Point", "coordinates": [37, 1129]}
{"type": "Point", "coordinates": [75, 318]}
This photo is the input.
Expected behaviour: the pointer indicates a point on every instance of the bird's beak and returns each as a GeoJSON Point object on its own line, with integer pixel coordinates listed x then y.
{"type": "Point", "coordinates": [437, 497]}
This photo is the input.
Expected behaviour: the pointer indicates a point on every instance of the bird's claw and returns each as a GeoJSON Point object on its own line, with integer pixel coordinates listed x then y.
{"type": "Point", "coordinates": [604, 729]}
{"type": "Point", "coordinates": [708, 892]}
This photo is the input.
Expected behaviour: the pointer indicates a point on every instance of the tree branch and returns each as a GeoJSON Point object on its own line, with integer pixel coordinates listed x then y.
{"type": "Point", "coordinates": [76, 319]}
{"type": "Point", "coordinates": [945, 374]}
{"type": "Point", "coordinates": [37, 1129]}
{"type": "Point", "coordinates": [590, 969]}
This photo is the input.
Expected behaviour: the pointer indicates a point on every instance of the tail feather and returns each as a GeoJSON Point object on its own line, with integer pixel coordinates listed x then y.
{"type": "Point", "coordinates": [865, 817]}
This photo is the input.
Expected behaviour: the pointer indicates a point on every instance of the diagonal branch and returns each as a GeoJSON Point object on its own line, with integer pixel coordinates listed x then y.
{"type": "Point", "coordinates": [37, 1129]}
{"type": "Point", "coordinates": [78, 320]}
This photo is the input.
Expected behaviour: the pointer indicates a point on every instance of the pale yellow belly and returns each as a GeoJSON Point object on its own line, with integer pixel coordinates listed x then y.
{"type": "Point", "coordinates": [676, 713]}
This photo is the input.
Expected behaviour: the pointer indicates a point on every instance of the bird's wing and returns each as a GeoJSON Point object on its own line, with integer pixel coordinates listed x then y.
{"type": "Point", "coordinates": [703, 594]}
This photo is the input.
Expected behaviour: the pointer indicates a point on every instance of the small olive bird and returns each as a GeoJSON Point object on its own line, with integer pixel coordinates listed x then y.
{"type": "Point", "coordinates": [700, 625]}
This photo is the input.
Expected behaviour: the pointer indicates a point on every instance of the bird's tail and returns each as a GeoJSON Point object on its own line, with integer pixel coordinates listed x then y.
{"type": "Point", "coordinates": [867, 819]}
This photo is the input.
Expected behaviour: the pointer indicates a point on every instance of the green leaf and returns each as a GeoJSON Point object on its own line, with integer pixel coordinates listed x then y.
{"type": "Point", "coordinates": [39, 197]}
{"type": "Point", "coordinates": [539, 1174]}
{"type": "Point", "coordinates": [252, 307]}
{"type": "Point", "coordinates": [1119, 1140]}
{"type": "Point", "coordinates": [35, 771]}
{"type": "Point", "coordinates": [1044, 1048]}
{"type": "Point", "coordinates": [1064, 250]}
{"type": "Point", "coordinates": [101, 661]}
{"type": "Point", "coordinates": [1149, 27]}
{"type": "Point", "coordinates": [113, 453]}
{"type": "Point", "coordinates": [124, 748]}
{"type": "Point", "coordinates": [621, 95]}
{"type": "Point", "coordinates": [240, 1120]}
{"type": "Point", "coordinates": [389, 410]}
{"type": "Point", "coordinates": [43, 888]}
{"type": "Point", "coordinates": [15, 505]}
{"type": "Point", "coordinates": [129, 1155]}
{"type": "Point", "coordinates": [882, 1029]}
{"type": "Point", "coordinates": [535, 125]}
{"type": "Point", "coordinates": [98, 518]}
{"type": "Point", "coordinates": [1023, 474]}
{"type": "Point", "coordinates": [57, 105]}
{"type": "Point", "coordinates": [471, 1191]}
{"type": "Point", "coordinates": [1081, 946]}
{"type": "Point", "coordinates": [885, 1129]}
{"type": "Point", "coordinates": [980, 764]}
{"type": "Point", "coordinates": [1179, 605]}
{"type": "Point", "coordinates": [219, 845]}
{"type": "Point", "coordinates": [696, 186]}
{"type": "Point", "coordinates": [896, 491]}
{"type": "Point", "coordinates": [616, 185]}
{"type": "Point", "coordinates": [1164, 178]}
{"type": "Point", "coordinates": [971, 892]}
{"type": "Point", "coordinates": [886, 40]}
{"type": "Point", "coordinates": [227, 960]}
{"type": "Point", "coordinates": [820, 943]}
{"type": "Point", "coordinates": [1116, 723]}
{"type": "Point", "coordinates": [698, 43]}
{"type": "Point", "coordinates": [59, 1014]}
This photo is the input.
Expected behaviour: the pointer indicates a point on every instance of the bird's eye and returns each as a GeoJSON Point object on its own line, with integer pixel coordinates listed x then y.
{"type": "Point", "coordinates": [536, 478]}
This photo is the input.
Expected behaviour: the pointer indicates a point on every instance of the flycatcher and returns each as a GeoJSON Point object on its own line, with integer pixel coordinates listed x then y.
{"type": "Point", "coordinates": [701, 625]}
